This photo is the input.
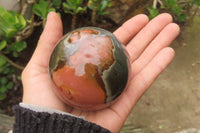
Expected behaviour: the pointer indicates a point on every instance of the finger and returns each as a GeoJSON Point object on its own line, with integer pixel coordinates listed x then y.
{"type": "Point", "coordinates": [139, 84]}
{"type": "Point", "coordinates": [146, 77]}
{"type": "Point", "coordinates": [131, 28]}
{"type": "Point", "coordinates": [162, 40]}
{"type": "Point", "coordinates": [50, 36]}
{"type": "Point", "coordinates": [137, 45]}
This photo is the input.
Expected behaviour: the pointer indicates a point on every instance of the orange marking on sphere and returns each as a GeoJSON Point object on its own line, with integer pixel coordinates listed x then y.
{"type": "Point", "coordinates": [84, 90]}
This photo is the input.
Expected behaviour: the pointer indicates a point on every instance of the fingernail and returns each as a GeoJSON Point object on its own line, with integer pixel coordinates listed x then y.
{"type": "Point", "coordinates": [49, 14]}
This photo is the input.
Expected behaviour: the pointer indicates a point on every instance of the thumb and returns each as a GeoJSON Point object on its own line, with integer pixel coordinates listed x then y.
{"type": "Point", "coordinates": [53, 31]}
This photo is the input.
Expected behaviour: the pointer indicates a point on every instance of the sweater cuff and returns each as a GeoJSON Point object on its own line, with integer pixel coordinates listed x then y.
{"type": "Point", "coordinates": [27, 120]}
{"type": "Point", "coordinates": [38, 108]}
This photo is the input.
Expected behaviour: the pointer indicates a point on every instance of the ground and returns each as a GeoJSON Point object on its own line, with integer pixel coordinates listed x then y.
{"type": "Point", "coordinates": [6, 123]}
{"type": "Point", "coordinates": [172, 103]}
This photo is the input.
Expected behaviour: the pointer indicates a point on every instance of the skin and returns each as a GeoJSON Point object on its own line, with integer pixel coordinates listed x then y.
{"type": "Point", "coordinates": [147, 43]}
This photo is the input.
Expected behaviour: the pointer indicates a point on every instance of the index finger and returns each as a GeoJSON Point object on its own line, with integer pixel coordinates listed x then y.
{"type": "Point", "coordinates": [130, 28]}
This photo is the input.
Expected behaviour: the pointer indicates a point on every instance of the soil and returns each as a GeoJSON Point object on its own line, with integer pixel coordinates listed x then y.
{"type": "Point", "coordinates": [13, 98]}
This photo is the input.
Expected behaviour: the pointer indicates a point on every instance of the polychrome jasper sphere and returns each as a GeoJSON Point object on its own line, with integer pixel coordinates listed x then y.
{"type": "Point", "coordinates": [89, 68]}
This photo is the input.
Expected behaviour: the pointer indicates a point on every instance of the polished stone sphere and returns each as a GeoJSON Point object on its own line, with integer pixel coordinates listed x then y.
{"type": "Point", "coordinates": [89, 68]}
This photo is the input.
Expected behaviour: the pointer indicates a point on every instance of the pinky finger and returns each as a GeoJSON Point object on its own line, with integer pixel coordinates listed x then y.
{"type": "Point", "coordinates": [143, 80]}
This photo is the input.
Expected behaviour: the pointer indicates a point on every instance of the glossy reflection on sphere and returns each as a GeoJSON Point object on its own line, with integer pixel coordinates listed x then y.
{"type": "Point", "coordinates": [89, 68]}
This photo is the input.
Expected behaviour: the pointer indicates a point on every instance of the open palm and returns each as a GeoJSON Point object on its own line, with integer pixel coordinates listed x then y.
{"type": "Point", "coordinates": [147, 44]}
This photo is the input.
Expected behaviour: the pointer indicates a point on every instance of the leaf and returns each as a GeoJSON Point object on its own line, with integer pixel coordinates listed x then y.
{"type": "Point", "coordinates": [182, 17]}
{"type": "Point", "coordinates": [3, 44]}
{"type": "Point", "coordinates": [110, 3]}
{"type": "Point", "coordinates": [15, 54]}
{"type": "Point", "coordinates": [91, 6]}
{"type": "Point", "coordinates": [80, 10]}
{"type": "Point", "coordinates": [36, 10]}
{"type": "Point", "coordinates": [2, 10]}
{"type": "Point", "coordinates": [104, 4]}
{"type": "Point", "coordinates": [51, 10]}
{"type": "Point", "coordinates": [12, 70]}
{"type": "Point", "coordinates": [153, 12]}
{"type": "Point", "coordinates": [2, 96]}
{"type": "Point", "coordinates": [7, 29]}
{"type": "Point", "coordinates": [101, 7]}
{"type": "Point", "coordinates": [11, 32]}
{"type": "Point", "coordinates": [3, 80]}
{"type": "Point", "coordinates": [3, 69]}
{"type": "Point", "coordinates": [10, 23]}
{"type": "Point", "coordinates": [2, 32]}
{"type": "Point", "coordinates": [73, 6]}
{"type": "Point", "coordinates": [19, 46]}
{"type": "Point", "coordinates": [176, 10]}
{"type": "Point", "coordinates": [9, 18]}
{"type": "Point", "coordinates": [105, 13]}
{"type": "Point", "coordinates": [170, 3]}
{"type": "Point", "coordinates": [7, 70]}
{"type": "Point", "coordinates": [2, 61]}
{"type": "Point", "coordinates": [7, 24]}
{"type": "Point", "coordinates": [3, 89]}
{"type": "Point", "coordinates": [19, 77]}
{"type": "Point", "coordinates": [197, 2]}
{"type": "Point", "coordinates": [67, 6]}
{"type": "Point", "coordinates": [59, 14]}
{"type": "Point", "coordinates": [41, 8]}
{"type": "Point", "coordinates": [57, 3]}
{"type": "Point", "coordinates": [9, 85]}
{"type": "Point", "coordinates": [21, 22]}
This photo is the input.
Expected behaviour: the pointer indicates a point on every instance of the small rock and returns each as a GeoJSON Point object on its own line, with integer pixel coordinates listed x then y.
{"type": "Point", "coordinates": [129, 128]}
{"type": "Point", "coordinates": [189, 130]}
{"type": "Point", "coordinates": [6, 123]}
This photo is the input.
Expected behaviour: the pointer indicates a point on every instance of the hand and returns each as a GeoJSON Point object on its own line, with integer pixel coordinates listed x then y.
{"type": "Point", "coordinates": [147, 44]}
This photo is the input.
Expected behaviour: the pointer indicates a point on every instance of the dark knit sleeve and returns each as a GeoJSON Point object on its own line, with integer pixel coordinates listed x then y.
{"type": "Point", "coordinates": [28, 121]}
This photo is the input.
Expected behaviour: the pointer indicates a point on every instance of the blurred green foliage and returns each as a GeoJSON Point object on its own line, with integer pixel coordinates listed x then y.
{"type": "Point", "coordinates": [98, 8]}
{"type": "Point", "coordinates": [179, 9]}
{"type": "Point", "coordinates": [74, 6]}
{"type": "Point", "coordinates": [43, 7]}
{"type": "Point", "coordinates": [6, 73]}
{"type": "Point", "coordinates": [10, 24]}
{"type": "Point", "coordinates": [102, 5]}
